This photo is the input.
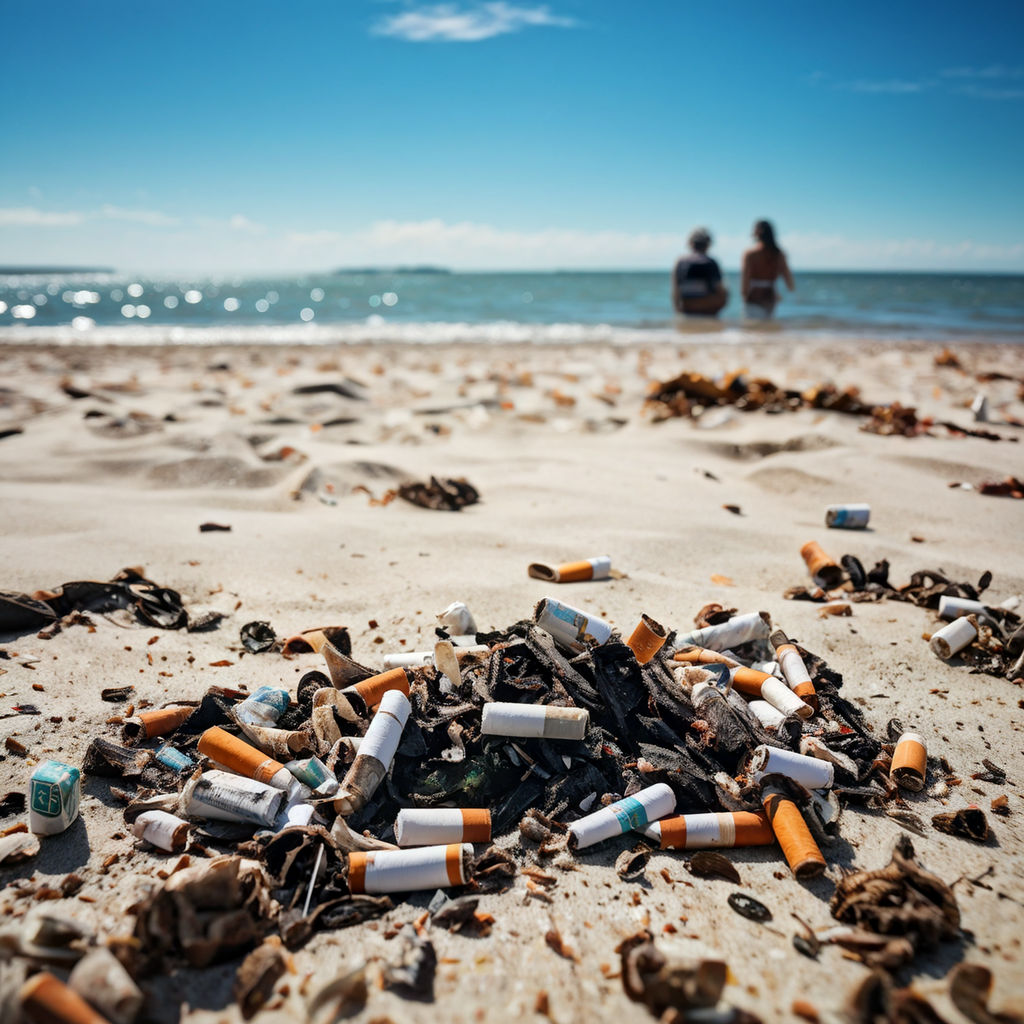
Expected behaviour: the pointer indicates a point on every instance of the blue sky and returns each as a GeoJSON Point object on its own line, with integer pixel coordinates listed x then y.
{"type": "Point", "coordinates": [579, 133]}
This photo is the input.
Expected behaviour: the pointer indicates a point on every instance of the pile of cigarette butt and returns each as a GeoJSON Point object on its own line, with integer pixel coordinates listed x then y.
{"type": "Point", "coordinates": [457, 768]}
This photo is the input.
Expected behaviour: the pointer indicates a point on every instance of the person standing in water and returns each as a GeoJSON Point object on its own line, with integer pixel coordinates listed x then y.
{"type": "Point", "coordinates": [697, 288]}
{"type": "Point", "coordinates": [761, 266]}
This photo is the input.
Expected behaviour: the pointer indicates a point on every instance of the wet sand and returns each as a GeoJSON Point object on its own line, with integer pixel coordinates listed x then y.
{"type": "Point", "coordinates": [568, 466]}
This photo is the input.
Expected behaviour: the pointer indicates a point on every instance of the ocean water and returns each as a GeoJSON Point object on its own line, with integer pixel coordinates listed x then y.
{"type": "Point", "coordinates": [416, 306]}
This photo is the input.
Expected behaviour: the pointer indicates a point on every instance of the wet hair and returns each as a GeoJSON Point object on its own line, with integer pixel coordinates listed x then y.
{"type": "Point", "coordinates": [765, 234]}
{"type": "Point", "coordinates": [700, 240]}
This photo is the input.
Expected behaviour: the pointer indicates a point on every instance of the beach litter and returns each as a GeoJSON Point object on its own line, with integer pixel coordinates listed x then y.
{"type": "Point", "coordinates": [298, 811]}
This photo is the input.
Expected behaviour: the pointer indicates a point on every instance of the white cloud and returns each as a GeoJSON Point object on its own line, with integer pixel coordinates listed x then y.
{"type": "Point", "coordinates": [451, 23]}
{"type": "Point", "coordinates": [30, 216]}
{"type": "Point", "coordinates": [152, 218]}
{"type": "Point", "coordinates": [987, 92]}
{"type": "Point", "coordinates": [892, 86]}
{"type": "Point", "coordinates": [990, 73]}
{"type": "Point", "coordinates": [239, 222]}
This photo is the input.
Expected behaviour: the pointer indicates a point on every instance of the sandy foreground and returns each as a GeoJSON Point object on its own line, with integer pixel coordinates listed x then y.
{"type": "Point", "coordinates": [563, 474]}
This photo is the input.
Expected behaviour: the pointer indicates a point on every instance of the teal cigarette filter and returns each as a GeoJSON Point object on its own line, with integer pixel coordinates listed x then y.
{"type": "Point", "coordinates": [54, 793]}
{"type": "Point", "coordinates": [174, 759]}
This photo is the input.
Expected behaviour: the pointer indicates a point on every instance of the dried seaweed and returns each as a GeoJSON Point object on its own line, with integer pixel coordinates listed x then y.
{"type": "Point", "coordinates": [900, 900]}
{"type": "Point", "coordinates": [449, 495]}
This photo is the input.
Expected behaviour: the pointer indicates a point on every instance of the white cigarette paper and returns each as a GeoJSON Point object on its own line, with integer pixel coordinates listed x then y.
{"type": "Point", "coordinates": [808, 771]}
{"type": "Point", "coordinates": [408, 659]}
{"type": "Point", "coordinates": [433, 826]}
{"type": "Point", "coordinates": [226, 797]}
{"type": "Point", "coordinates": [570, 626]}
{"type": "Point", "coordinates": [633, 812]}
{"type": "Point", "coordinates": [738, 630]}
{"type": "Point", "coordinates": [376, 752]}
{"type": "Point", "coordinates": [955, 607]}
{"type": "Point", "coordinates": [703, 831]}
{"type": "Point", "coordinates": [429, 867]}
{"type": "Point", "coordinates": [952, 638]}
{"type": "Point", "coordinates": [769, 717]}
{"type": "Point", "coordinates": [781, 697]}
{"type": "Point", "coordinates": [163, 830]}
{"type": "Point", "coordinates": [534, 721]}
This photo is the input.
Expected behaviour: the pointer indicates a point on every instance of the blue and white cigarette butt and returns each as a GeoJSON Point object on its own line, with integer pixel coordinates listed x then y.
{"type": "Point", "coordinates": [632, 812]}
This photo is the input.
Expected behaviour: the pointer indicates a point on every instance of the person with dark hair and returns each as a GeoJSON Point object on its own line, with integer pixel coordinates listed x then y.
{"type": "Point", "coordinates": [762, 264]}
{"type": "Point", "coordinates": [697, 288]}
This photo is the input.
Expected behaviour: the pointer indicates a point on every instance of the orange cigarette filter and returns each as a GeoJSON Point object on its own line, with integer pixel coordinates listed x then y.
{"type": "Point", "coordinates": [749, 681]}
{"type": "Point", "coordinates": [822, 567]}
{"type": "Point", "coordinates": [372, 690]}
{"type": "Point", "coordinates": [798, 845]}
{"type": "Point", "coordinates": [476, 825]}
{"type": "Point", "coordinates": [46, 1000]}
{"type": "Point", "coordinates": [570, 572]}
{"type": "Point", "coordinates": [220, 746]}
{"type": "Point", "coordinates": [647, 639]}
{"type": "Point", "coordinates": [909, 762]}
{"type": "Point", "coordinates": [162, 721]}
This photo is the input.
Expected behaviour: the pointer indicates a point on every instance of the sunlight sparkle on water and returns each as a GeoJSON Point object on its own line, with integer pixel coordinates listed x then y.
{"type": "Point", "coordinates": [83, 323]}
{"type": "Point", "coordinates": [317, 295]}
{"type": "Point", "coordinates": [307, 314]}
{"type": "Point", "coordinates": [171, 301]}
{"type": "Point", "coordinates": [389, 298]}
{"type": "Point", "coordinates": [374, 301]}
{"type": "Point", "coordinates": [142, 312]}
{"type": "Point", "coordinates": [128, 310]}
{"type": "Point", "coordinates": [231, 304]}
{"type": "Point", "coordinates": [193, 295]}
{"type": "Point", "coordinates": [23, 312]}
{"type": "Point", "coordinates": [135, 290]}
{"type": "Point", "coordinates": [262, 305]}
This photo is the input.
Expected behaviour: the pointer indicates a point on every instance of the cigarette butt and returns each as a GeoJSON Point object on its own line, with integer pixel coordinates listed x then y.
{"type": "Point", "coordinates": [703, 831]}
{"type": "Point", "coordinates": [231, 752]}
{"type": "Point", "coordinates": [573, 572]}
{"type": "Point", "coordinates": [571, 627]}
{"type": "Point", "coordinates": [811, 772]}
{"type": "Point", "coordinates": [545, 721]}
{"type": "Point", "coordinates": [909, 762]}
{"type": "Point", "coordinates": [376, 752]}
{"type": "Point", "coordinates": [952, 638]}
{"type": "Point", "coordinates": [702, 656]}
{"type": "Point", "coordinates": [161, 721]}
{"type": "Point", "coordinates": [955, 607]}
{"type": "Point", "coordinates": [822, 568]}
{"type": "Point", "coordinates": [428, 867]}
{"type": "Point", "coordinates": [794, 669]}
{"type": "Point", "coordinates": [769, 717]}
{"type": "Point", "coordinates": [165, 831]}
{"type": "Point", "coordinates": [226, 797]}
{"type": "Point", "coordinates": [798, 845]}
{"type": "Point", "coordinates": [45, 1000]}
{"type": "Point", "coordinates": [372, 690]}
{"type": "Point", "coordinates": [442, 825]}
{"type": "Point", "coordinates": [749, 681]}
{"type": "Point", "coordinates": [647, 639]}
{"type": "Point", "coordinates": [740, 629]}
{"type": "Point", "coordinates": [847, 517]}
{"type": "Point", "coordinates": [632, 812]}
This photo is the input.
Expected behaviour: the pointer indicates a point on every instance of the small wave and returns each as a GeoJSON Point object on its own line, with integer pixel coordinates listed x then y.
{"type": "Point", "coordinates": [377, 330]}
